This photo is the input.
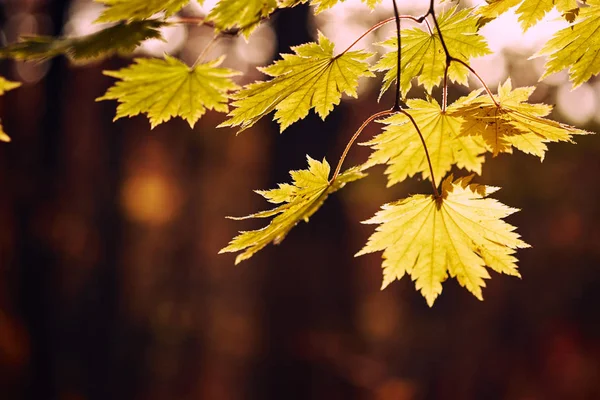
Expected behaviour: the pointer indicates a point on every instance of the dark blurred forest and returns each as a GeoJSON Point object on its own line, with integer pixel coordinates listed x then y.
{"type": "Point", "coordinates": [111, 286]}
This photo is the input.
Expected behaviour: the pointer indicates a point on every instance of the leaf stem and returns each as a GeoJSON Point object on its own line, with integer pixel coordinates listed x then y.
{"type": "Point", "coordinates": [487, 89]}
{"type": "Point", "coordinates": [379, 25]}
{"type": "Point", "coordinates": [206, 50]}
{"type": "Point", "coordinates": [445, 89]}
{"type": "Point", "coordinates": [435, 191]}
{"type": "Point", "coordinates": [450, 59]}
{"type": "Point", "coordinates": [353, 139]}
{"type": "Point", "coordinates": [397, 105]}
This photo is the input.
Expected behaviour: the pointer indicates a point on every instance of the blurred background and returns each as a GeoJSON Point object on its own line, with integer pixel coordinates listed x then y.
{"type": "Point", "coordinates": [110, 282]}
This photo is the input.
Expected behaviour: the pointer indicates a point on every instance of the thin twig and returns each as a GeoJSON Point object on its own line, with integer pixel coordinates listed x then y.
{"type": "Point", "coordinates": [399, 59]}
{"type": "Point", "coordinates": [487, 89]}
{"type": "Point", "coordinates": [206, 50]}
{"type": "Point", "coordinates": [378, 25]}
{"type": "Point", "coordinates": [435, 191]}
{"type": "Point", "coordinates": [353, 139]}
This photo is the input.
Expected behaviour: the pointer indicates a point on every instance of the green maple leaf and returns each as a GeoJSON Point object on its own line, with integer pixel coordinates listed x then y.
{"type": "Point", "coordinates": [298, 202]}
{"type": "Point", "coordinates": [118, 10]}
{"type": "Point", "coordinates": [576, 47]}
{"type": "Point", "coordinates": [244, 15]}
{"type": "Point", "coordinates": [530, 12]}
{"type": "Point", "coordinates": [456, 235]}
{"type": "Point", "coordinates": [5, 86]}
{"type": "Point", "coordinates": [168, 88]}
{"type": "Point", "coordinates": [514, 123]}
{"type": "Point", "coordinates": [311, 78]}
{"type": "Point", "coordinates": [121, 38]}
{"type": "Point", "coordinates": [400, 147]}
{"type": "Point", "coordinates": [423, 54]}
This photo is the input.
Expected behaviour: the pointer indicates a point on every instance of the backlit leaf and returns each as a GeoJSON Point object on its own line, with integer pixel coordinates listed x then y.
{"type": "Point", "coordinates": [322, 5]}
{"type": "Point", "coordinates": [298, 201]}
{"type": "Point", "coordinates": [311, 78]}
{"type": "Point", "coordinates": [456, 235]}
{"type": "Point", "coordinates": [163, 89]}
{"type": "Point", "coordinates": [244, 15]}
{"type": "Point", "coordinates": [400, 147]}
{"type": "Point", "coordinates": [118, 10]}
{"type": "Point", "coordinates": [423, 55]}
{"type": "Point", "coordinates": [576, 47]}
{"type": "Point", "coordinates": [530, 12]}
{"type": "Point", "coordinates": [514, 123]}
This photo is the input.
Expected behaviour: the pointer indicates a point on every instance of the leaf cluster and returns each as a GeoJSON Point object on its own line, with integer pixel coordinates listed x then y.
{"type": "Point", "coordinates": [454, 232]}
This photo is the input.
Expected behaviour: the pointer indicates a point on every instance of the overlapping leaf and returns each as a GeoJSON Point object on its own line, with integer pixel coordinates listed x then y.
{"type": "Point", "coordinates": [168, 88]}
{"type": "Point", "coordinates": [311, 78]}
{"type": "Point", "coordinates": [121, 38]}
{"type": "Point", "coordinates": [243, 15]}
{"type": "Point", "coordinates": [5, 86]}
{"type": "Point", "coordinates": [576, 47]}
{"type": "Point", "coordinates": [530, 12]}
{"type": "Point", "coordinates": [118, 10]}
{"type": "Point", "coordinates": [423, 54]}
{"type": "Point", "coordinates": [514, 123]}
{"type": "Point", "coordinates": [456, 235]}
{"type": "Point", "coordinates": [400, 147]}
{"type": "Point", "coordinates": [298, 201]}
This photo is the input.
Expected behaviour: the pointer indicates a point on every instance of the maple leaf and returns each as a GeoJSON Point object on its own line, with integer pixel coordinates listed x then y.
{"type": "Point", "coordinates": [513, 123]}
{"type": "Point", "coordinates": [311, 78]}
{"type": "Point", "coordinates": [5, 86]}
{"type": "Point", "coordinates": [455, 235]}
{"type": "Point", "coordinates": [400, 147]}
{"type": "Point", "coordinates": [576, 47]}
{"type": "Point", "coordinates": [163, 89]}
{"type": "Point", "coordinates": [322, 5]}
{"type": "Point", "coordinates": [117, 10]}
{"type": "Point", "coordinates": [298, 201]}
{"type": "Point", "coordinates": [120, 38]}
{"type": "Point", "coordinates": [243, 15]}
{"type": "Point", "coordinates": [530, 12]}
{"type": "Point", "coordinates": [423, 54]}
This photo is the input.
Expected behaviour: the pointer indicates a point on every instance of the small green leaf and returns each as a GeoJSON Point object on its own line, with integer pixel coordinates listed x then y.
{"type": "Point", "coordinates": [168, 88]}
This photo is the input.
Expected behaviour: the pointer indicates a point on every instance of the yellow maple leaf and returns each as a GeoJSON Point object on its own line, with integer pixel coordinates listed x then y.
{"type": "Point", "coordinates": [401, 149]}
{"type": "Point", "coordinates": [513, 122]}
{"type": "Point", "coordinates": [576, 47]}
{"type": "Point", "coordinates": [119, 10]}
{"type": "Point", "coordinates": [298, 202]}
{"type": "Point", "coordinates": [455, 235]}
{"type": "Point", "coordinates": [244, 15]}
{"type": "Point", "coordinates": [167, 88]}
{"type": "Point", "coordinates": [423, 54]}
{"type": "Point", "coordinates": [311, 78]}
